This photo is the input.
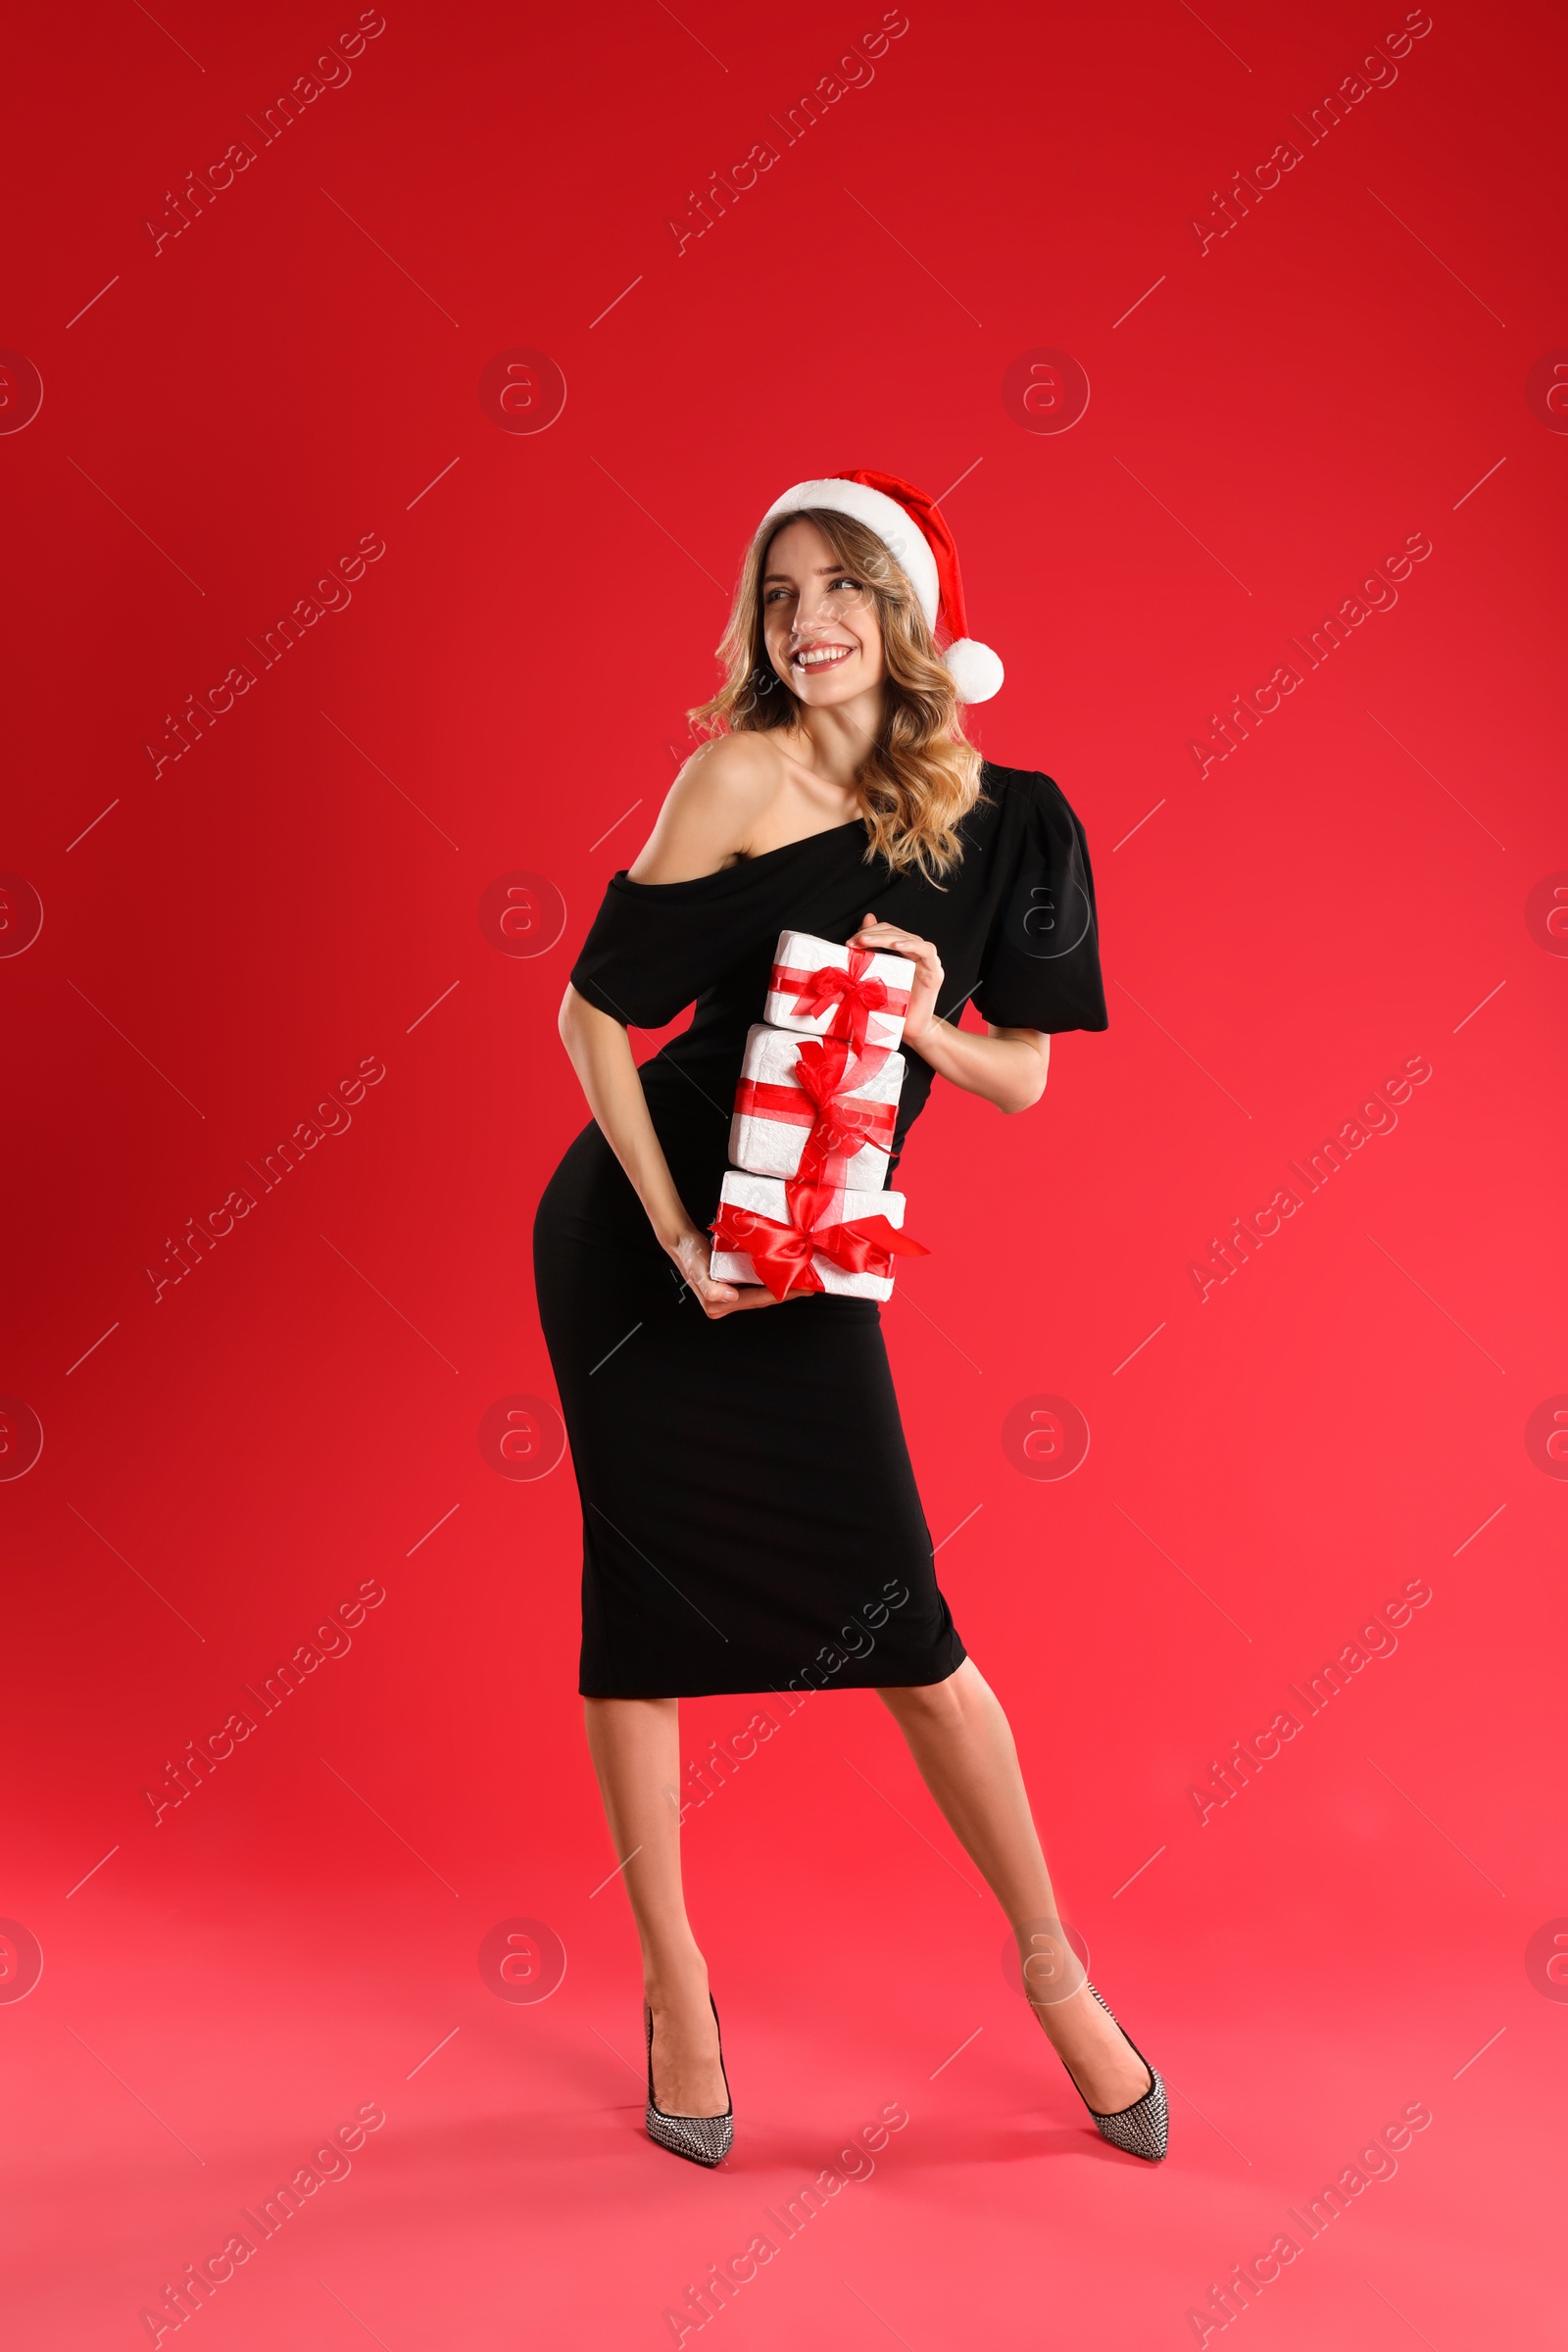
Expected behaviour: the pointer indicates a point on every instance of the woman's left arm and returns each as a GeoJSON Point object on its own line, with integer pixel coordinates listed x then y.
{"type": "Point", "coordinates": [1008, 1067]}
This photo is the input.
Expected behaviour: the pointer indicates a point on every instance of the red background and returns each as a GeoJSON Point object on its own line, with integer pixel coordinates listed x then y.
{"type": "Point", "coordinates": [224, 416]}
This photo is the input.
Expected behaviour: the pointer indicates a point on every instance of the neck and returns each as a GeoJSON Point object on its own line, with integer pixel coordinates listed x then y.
{"type": "Point", "coordinates": [838, 740]}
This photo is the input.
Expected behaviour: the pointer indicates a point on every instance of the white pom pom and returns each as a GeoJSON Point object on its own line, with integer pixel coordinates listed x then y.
{"type": "Point", "coordinates": [975, 671]}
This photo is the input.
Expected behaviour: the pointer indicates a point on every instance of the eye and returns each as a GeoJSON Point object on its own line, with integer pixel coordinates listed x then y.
{"type": "Point", "coordinates": [844, 581]}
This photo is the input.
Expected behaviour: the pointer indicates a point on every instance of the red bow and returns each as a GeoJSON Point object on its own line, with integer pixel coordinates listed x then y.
{"type": "Point", "coordinates": [781, 1255]}
{"type": "Point", "coordinates": [839, 1127]}
{"type": "Point", "coordinates": [821, 1065]}
{"type": "Point", "coordinates": [818, 1099]}
{"type": "Point", "coordinates": [850, 995]}
{"type": "Point", "coordinates": [837, 1135]}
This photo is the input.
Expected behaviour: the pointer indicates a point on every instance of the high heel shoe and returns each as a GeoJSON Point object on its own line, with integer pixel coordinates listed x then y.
{"type": "Point", "coordinates": [1144, 2128]}
{"type": "Point", "coordinates": [704, 2138]}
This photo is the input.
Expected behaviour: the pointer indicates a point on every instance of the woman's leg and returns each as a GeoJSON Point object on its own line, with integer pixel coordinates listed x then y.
{"type": "Point", "coordinates": [958, 1737]}
{"type": "Point", "coordinates": [635, 1746]}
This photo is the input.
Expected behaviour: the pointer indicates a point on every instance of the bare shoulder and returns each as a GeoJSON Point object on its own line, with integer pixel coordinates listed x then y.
{"type": "Point", "coordinates": [711, 809]}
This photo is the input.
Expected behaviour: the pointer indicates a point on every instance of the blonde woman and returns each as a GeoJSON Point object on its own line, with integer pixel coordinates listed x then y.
{"type": "Point", "coordinates": [751, 1521]}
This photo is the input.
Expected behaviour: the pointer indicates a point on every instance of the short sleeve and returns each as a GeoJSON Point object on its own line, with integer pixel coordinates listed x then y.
{"type": "Point", "coordinates": [1040, 968]}
{"type": "Point", "coordinates": [649, 952]}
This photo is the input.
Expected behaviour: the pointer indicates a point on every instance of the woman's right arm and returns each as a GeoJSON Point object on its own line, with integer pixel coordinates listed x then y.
{"type": "Point", "coordinates": [600, 1055]}
{"type": "Point", "coordinates": [705, 819]}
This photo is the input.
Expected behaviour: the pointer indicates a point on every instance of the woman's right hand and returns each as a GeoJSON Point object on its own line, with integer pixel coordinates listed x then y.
{"type": "Point", "coordinates": [601, 1056]}
{"type": "Point", "coordinates": [691, 1252]}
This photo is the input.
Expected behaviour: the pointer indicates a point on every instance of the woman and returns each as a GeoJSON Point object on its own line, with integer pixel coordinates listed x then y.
{"type": "Point", "coordinates": [741, 1461]}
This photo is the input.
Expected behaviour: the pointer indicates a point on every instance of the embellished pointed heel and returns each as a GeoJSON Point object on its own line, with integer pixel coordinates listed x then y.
{"type": "Point", "coordinates": [702, 2139]}
{"type": "Point", "coordinates": [1144, 2128]}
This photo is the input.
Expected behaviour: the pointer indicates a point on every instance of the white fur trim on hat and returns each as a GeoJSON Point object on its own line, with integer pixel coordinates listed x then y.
{"type": "Point", "coordinates": [904, 539]}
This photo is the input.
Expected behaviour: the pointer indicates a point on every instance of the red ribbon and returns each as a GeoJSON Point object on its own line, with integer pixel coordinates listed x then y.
{"type": "Point", "coordinates": [818, 1099]}
{"type": "Point", "coordinates": [853, 1123]}
{"type": "Point", "coordinates": [821, 1066]}
{"type": "Point", "coordinates": [850, 995]}
{"type": "Point", "coordinates": [781, 1255]}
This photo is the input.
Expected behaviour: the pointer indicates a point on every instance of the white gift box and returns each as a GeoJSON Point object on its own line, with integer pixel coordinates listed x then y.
{"type": "Point", "coordinates": [775, 1115]}
{"type": "Point", "coordinates": [838, 1205]}
{"type": "Point", "coordinates": [839, 1011]}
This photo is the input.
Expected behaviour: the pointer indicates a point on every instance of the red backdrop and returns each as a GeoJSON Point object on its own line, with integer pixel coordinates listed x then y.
{"type": "Point", "coordinates": [329, 623]}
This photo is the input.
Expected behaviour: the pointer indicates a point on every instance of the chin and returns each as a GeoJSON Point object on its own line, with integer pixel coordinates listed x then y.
{"type": "Point", "coordinates": [822, 690]}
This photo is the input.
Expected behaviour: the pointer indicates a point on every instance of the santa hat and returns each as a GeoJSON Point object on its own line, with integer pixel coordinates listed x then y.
{"type": "Point", "coordinates": [889, 507]}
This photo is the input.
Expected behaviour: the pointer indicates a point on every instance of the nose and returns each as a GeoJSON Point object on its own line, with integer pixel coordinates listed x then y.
{"type": "Point", "coordinates": [815, 611]}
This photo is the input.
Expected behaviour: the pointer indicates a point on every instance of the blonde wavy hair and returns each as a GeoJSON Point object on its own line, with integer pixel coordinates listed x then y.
{"type": "Point", "coordinates": [922, 775]}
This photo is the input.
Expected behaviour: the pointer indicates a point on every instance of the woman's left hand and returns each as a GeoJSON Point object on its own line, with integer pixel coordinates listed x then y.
{"type": "Point", "coordinates": [886, 939]}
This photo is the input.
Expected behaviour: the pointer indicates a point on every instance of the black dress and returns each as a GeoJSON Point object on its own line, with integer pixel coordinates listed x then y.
{"type": "Point", "coordinates": [751, 1520]}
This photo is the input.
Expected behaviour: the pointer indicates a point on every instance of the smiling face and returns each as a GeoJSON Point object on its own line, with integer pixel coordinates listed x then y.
{"type": "Point", "coordinates": [820, 623]}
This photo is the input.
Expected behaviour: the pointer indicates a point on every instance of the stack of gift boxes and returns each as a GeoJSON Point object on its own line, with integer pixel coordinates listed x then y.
{"type": "Point", "coordinates": [805, 1206]}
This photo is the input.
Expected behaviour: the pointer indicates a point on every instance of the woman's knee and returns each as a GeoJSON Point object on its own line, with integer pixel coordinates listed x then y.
{"type": "Point", "coordinates": [935, 1705]}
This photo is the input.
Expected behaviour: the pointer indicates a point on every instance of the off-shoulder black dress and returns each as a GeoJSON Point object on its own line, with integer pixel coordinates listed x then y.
{"type": "Point", "coordinates": [751, 1520]}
